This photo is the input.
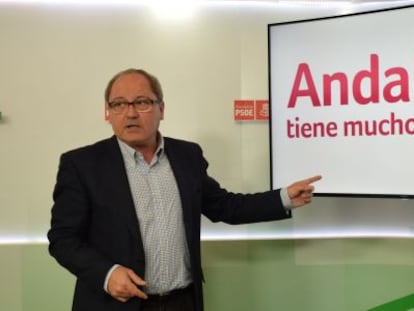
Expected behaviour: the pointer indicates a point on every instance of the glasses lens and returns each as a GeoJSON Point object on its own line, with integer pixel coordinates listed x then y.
{"type": "Point", "coordinates": [118, 107]}
{"type": "Point", "coordinates": [142, 104]}
{"type": "Point", "coordinates": [139, 104]}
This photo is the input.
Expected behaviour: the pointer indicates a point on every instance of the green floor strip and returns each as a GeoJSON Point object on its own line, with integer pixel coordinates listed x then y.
{"type": "Point", "coordinates": [402, 304]}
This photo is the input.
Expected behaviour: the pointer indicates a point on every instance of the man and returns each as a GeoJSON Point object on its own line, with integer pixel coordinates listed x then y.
{"type": "Point", "coordinates": [126, 213]}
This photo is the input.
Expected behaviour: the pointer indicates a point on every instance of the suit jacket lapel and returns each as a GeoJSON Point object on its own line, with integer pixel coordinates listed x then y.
{"type": "Point", "coordinates": [118, 180]}
{"type": "Point", "coordinates": [178, 166]}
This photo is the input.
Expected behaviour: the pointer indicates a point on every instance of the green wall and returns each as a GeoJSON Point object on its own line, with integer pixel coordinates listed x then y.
{"type": "Point", "coordinates": [294, 275]}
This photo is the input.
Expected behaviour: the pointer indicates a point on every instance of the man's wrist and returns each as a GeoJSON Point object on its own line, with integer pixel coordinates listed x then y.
{"type": "Point", "coordinates": [108, 275]}
{"type": "Point", "coordinates": [287, 204]}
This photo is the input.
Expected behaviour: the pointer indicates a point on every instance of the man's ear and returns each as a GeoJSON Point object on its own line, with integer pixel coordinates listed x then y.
{"type": "Point", "coordinates": [162, 108]}
{"type": "Point", "coordinates": [106, 107]}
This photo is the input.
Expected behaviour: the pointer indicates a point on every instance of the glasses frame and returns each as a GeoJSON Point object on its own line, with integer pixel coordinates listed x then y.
{"type": "Point", "coordinates": [121, 106]}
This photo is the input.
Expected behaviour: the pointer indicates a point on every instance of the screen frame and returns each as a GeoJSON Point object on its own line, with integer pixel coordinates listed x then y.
{"type": "Point", "coordinates": [271, 127]}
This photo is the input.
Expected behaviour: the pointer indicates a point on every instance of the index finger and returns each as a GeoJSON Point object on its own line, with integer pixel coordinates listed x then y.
{"type": "Point", "coordinates": [135, 278]}
{"type": "Point", "coordinates": [312, 179]}
{"type": "Point", "coordinates": [135, 291]}
{"type": "Point", "coordinates": [138, 293]}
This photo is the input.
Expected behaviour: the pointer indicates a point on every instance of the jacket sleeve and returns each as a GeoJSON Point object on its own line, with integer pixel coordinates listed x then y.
{"type": "Point", "coordinates": [219, 204]}
{"type": "Point", "coordinates": [70, 222]}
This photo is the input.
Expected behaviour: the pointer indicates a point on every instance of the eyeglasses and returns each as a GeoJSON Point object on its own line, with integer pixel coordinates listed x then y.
{"type": "Point", "coordinates": [140, 104]}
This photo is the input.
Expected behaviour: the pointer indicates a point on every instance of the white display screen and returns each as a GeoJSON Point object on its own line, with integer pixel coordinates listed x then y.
{"type": "Point", "coordinates": [341, 100]}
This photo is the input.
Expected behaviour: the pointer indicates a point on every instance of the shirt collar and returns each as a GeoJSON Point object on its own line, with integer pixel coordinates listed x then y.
{"type": "Point", "coordinates": [131, 154]}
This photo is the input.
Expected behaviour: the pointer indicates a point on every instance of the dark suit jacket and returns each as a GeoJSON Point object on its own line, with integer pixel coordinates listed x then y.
{"type": "Point", "coordinates": [94, 224]}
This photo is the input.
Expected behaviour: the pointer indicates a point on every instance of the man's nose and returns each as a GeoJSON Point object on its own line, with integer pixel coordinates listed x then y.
{"type": "Point", "coordinates": [131, 111]}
